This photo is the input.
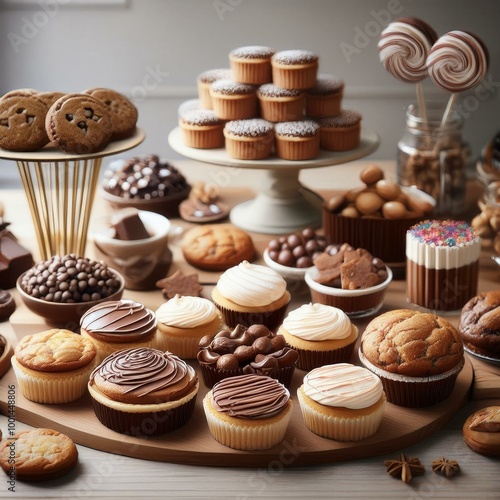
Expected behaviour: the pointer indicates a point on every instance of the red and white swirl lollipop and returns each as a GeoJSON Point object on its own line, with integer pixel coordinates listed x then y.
{"type": "Point", "coordinates": [404, 46]}
{"type": "Point", "coordinates": [458, 61]}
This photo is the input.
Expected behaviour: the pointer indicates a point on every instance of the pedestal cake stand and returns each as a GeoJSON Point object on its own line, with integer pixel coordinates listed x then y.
{"type": "Point", "coordinates": [283, 204]}
{"type": "Point", "coordinates": [60, 189]}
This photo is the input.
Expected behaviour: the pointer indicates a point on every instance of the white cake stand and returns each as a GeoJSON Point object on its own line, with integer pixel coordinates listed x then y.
{"type": "Point", "coordinates": [283, 204]}
{"type": "Point", "coordinates": [60, 189]}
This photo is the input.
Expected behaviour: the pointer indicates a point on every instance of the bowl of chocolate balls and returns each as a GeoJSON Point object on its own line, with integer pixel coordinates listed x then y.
{"type": "Point", "coordinates": [62, 288]}
{"type": "Point", "coordinates": [293, 254]}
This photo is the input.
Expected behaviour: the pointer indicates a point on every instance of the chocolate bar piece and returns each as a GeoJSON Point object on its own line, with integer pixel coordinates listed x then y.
{"type": "Point", "coordinates": [14, 260]}
{"type": "Point", "coordinates": [128, 225]}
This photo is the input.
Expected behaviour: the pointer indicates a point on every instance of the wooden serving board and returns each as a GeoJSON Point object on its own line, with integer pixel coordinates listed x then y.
{"type": "Point", "coordinates": [193, 444]}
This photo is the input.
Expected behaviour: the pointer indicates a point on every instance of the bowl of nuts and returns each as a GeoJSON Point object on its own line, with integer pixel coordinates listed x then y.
{"type": "Point", "coordinates": [376, 216]}
{"type": "Point", "coordinates": [62, 289]}
{"type": "Point", "coordinates": [292, 255]}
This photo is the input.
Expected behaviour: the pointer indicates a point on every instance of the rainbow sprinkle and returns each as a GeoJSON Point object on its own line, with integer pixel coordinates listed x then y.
{"type": "Point", "coordinates": [443, 233]}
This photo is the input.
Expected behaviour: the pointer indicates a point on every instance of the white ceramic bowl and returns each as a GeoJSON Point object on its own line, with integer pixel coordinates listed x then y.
{"type": "Point", "coordinates": [356, 303]}
{"type": "Point", "coordinates": [288, 272]}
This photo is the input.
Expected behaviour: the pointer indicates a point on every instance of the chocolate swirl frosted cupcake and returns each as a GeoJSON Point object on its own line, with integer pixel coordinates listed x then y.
{"type": "Point", "coordinates": [248, 412]}
{"type": "Point", "coordinates": [143, 392]}
{"type": "Point", "coordinates": [251, 64]}
{"type": "Point", "coordinates": [116, 325]}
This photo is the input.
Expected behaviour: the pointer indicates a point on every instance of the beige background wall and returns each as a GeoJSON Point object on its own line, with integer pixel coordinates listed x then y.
{"type": "Point", "coordinates": [153, 50]}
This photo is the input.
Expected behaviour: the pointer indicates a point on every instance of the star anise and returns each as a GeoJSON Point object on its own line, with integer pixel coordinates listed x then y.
{"type": "Point", "coordinates": [180, 283]}
{"type": "Point", "coordinates": [445, 467]}
{"type": "Point", "coordinates": [404, 468]}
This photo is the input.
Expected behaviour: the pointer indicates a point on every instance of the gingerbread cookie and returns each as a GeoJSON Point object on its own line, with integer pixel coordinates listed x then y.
{"type": "Point", "coordinates": [79, 124]}
{"type": "Point", "coordinates": [123, 113]}
{"type": "Point", "coordinates": [22, 122]}
{"type": "Point", "coordinates": [217, 247]}
{"type": "Point", "coordinates": [38, 455]}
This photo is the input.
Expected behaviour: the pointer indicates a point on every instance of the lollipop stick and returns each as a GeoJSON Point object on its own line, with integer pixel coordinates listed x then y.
{"type": "Point", "coordinates": [422, 111]}
{"type": "Point", "coordinates": [449, 107]}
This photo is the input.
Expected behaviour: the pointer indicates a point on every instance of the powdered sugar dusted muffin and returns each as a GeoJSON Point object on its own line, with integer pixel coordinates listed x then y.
{"type": "Point", "coordinates": [248, 412]}
{"type": "Point", "coordinates": [183, 321]}
{"type": "Point", "coordinates": [251, 64]}
{"type": "Point", "coordinates": [342, 402]}
{"type": "Point", "coordinates": [297, 140]}
{"type": "Point", "coordinates": [442, 264]}
{"type": "Point", "coordinates": [280, 105]}
{"type": "Point", "coordinates": [251, 139]}
{"type": "Point", "coordinates": [341, 132]}
{"type": "Point", "coordinates": [325, 98]}
{"type": "Point", "coordinates": [232, 100]}
{"type": "Point", "coordinates": [321, 334]}
{"type": "Point", "coordinates": [295, 69]}
{"type": "Point", "coordinates": [201, 128]}
{"type": "Point", "coordinates": [205, 80]}
{"type": "Point", "coordinates": [250, 294]}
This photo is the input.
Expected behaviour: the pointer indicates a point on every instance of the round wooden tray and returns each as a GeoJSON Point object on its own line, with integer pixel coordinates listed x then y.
{"type": "Point", "coordinates": [193, 444]}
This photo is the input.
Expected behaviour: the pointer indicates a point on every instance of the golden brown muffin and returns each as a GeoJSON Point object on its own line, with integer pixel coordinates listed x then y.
{"type": "Point", "coordinates": [40, 454]}
{"type": "Point", "coordinates": [417, 355]}
{"type": "Point", "coordinates": [480, 324]}
{"type": "Point", "coordinates": [482, 431]}
{"type": "Point", "coordinates": [53, 366]}
{"type": "Point", "coordinates": [217, 247]}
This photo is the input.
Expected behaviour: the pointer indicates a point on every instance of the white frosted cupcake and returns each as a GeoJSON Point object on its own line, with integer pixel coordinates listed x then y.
{"type": "Point", "coordinates": [342, 402]}
{"type": "Point", "coordinates": [249, 294]}
{"type": "Point", "coordinates": [321, 334]}
{"type": "Point", "coordinates": [248, 412]}
{"type": "Point", "coordinates": [183, 321]}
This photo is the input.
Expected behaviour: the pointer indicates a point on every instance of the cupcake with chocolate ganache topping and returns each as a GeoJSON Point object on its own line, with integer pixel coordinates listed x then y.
{"type": "Point", "coordinates": [183, 321]}
{"type": "Point", "coordinates": [248, 412]}
{"type": "Point", "coordinates": [143, 392]}
{"type": "Point", "coordinates": [116, 325]}
{"type": "Point", "coordinates": [297, 140]}
{"type": "Point", "coordinates": [250, 294]}
{"type": "Point", "coordinates": [321, 334]}
{"type": "Point", "coordinates": [251, 64]}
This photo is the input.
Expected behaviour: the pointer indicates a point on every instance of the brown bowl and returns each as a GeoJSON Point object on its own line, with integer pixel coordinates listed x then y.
{"type": "Point", "coordinates": [64, 315]}
{"type": "Point", "coordinates": [167, 206]}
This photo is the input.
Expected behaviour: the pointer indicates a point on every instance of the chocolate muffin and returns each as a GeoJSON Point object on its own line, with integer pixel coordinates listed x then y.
{"type": "Point", "coordinates": [480, 325]}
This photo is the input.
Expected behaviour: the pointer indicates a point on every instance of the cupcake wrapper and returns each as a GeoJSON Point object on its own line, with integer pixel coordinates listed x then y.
{"type": "Point", "coordinates": [303, 149]}
{"type": "Point", "coordinates": [203, 138]}
{"type": "Point", "coordinates": [252, 73]}
{"type": "Point", "coordinates": [235, 109]}
{"type": "Point", "coordinates": [204, 96]}
{"type": "Point", "coordinates": [56, 388]}
{"type": "Point", "coordinates": [340, 139]}
{"type": "Point", "coordinates": [184, 347]}
{"type": "Point", "coordinates": [282, 111]}
{"type": "Point", "coordinates": [341, 428]}
{"type": "Point", "coordinates": [308, 360]}
{"type": "Point", "coordinates": [147, 423]}
{"type": "Point", "coordinates": [303, 77]}
{"type": "Point", "coordinates": [212, 375]}
{"type": "Point", "coordinates": [321, 106]}
{"type": "Point", "coordinates": [271, 319]}
{"type": "Point", "coordinates": [241, 437]}
{"type": "Point", "coordinates": [256, 149]}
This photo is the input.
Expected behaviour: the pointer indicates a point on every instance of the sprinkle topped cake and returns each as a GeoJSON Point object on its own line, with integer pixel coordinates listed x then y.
{"type": "Point", "coordinates": [442, 264]}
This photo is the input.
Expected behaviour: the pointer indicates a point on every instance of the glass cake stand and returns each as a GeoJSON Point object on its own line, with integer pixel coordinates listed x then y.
{"type": "Point", "coordinates": [60, 189]}
{"type": "Point", "coordinates": [283, 204]}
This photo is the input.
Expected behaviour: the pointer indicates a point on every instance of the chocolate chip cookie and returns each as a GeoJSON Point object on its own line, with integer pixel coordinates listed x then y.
{"type": "Point", "coordinates": [122, 111]}
{"type": "Point", "coordinates": [79, 124]}
{"type": "Point", "coordinates": [22, 122]}
{"type": "Point", "coordinates": [38, 455]}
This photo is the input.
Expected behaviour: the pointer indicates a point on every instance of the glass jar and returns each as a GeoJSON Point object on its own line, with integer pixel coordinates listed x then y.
{"type": "Point", "coordinates": [433, 157]}
{"type": "Point", "coordinates": [487, 222]}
